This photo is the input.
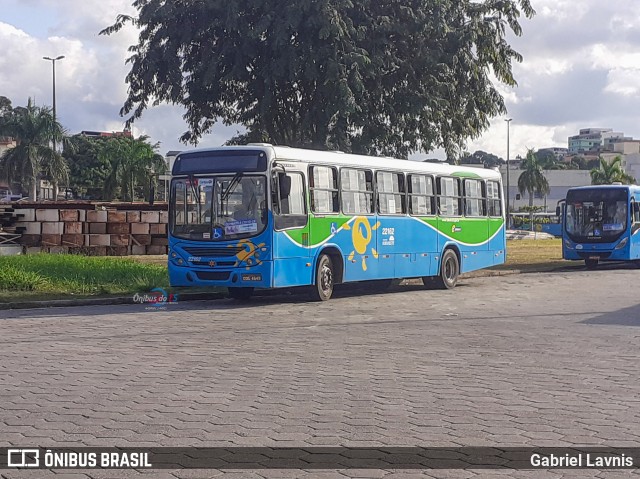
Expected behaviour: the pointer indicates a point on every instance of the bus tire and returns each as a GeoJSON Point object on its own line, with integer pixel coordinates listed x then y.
{"type": "Point", "coordinates": [449, 270]}
{"type": "Point", "coordinates": [323, 286]}
{"type": "Point", "coordinates": [241, 294]}
{"type": "Point", "coordinates": [591, 263]}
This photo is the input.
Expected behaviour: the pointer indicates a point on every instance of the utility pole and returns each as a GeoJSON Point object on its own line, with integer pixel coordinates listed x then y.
{"type": "Point", "coordinates": [508, 120]}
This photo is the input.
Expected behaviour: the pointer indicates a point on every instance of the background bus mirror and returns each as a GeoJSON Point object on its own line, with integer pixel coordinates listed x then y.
{"type": "Point", "coordinates": [284, 185]}
{"type": "Point", "coordinates": [557, 211]}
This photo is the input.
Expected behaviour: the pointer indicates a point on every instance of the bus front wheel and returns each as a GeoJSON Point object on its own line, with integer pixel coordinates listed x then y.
{"type": "Point", "coordinates": [591, 263]}
{"type": "Point", "coordinates": [449, 271]}
{"type": "Point", "coordinates": [241, 294]}
{"type": "Point", "coordinates": [323, 287]}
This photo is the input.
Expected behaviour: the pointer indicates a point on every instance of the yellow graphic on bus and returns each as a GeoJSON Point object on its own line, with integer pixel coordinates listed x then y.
{"type": "Point", "coordinates": [248, 254]}
{"type": "Point", "coordinates": [361, 237]}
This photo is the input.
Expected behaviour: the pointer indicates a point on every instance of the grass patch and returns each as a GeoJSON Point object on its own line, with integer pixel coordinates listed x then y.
{"type": "Point", "coordinates": [534, 255]}
{"type": "Point", "coordinates": [63, 275]}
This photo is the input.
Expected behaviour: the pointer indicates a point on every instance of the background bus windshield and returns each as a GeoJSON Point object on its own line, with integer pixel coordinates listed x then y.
{"type": "Point", "coordinates": [597, 214]}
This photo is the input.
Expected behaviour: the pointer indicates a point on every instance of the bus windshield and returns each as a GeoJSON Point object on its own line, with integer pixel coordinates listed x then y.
{"type": "Point", "coordinates": [596, 214]}
{"type": "Point", "coordinates": [218, 207]}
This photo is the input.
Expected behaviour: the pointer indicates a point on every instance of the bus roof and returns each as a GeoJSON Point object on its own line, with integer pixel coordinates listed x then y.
{"type": "Point", "coordinates": [347, 159]}
{"type": "Point", "coordinates": [606, 187]}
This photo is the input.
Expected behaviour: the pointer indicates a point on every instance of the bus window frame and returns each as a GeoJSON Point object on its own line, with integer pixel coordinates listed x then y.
{"type": "Point", "coordinates": [403, 194]}
{"type": "Point", "coordinates": [482, 198]}
{"type": "Point", "coordinates": [372, 191]}
{"type": "Point", "coordinates": [288, 216]}
{"type": "Point", "coordinates": [498, 186]}
{"type": "Point", "coordinates": [336, 172]}
{"type": "Point", "coordinates": [440, 195]}
{"type": "Point", "coordinates": [433, 198]}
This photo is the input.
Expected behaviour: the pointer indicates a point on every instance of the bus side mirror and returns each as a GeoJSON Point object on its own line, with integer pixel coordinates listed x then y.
{"type": "Point", "coordinates": [558, 211]}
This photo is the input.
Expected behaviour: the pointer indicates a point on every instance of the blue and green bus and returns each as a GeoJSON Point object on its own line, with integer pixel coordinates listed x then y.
{"type": "Point", "coordinates": [262, 216]}
{"type": "Point", "coordinates": [601, 223]}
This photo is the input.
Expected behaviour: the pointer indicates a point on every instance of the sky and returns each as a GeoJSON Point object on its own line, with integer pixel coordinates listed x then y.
{"type": "Point", "coordinates": [580, 69]}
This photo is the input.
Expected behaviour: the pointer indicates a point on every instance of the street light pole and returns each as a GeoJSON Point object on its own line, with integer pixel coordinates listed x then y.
{"type": "Point", "coordinates": [508, 120]}
{"type": "Point", "coordinates": [53, 140]}
{"type": "Point", "coordinates": [53, 62]}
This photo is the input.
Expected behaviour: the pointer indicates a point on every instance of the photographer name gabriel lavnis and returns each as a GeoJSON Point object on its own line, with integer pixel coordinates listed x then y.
{"type": "Point", "coordinates": [581, 460]}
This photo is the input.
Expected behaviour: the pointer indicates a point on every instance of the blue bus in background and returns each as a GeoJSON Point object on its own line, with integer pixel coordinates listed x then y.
{"type": "Point", "coordinates": [601, 223]}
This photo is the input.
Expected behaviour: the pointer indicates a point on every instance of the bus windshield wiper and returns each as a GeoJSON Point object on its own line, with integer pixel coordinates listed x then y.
{"type": "Point", "coordinates": [193, 189]}
{"type": "Point", "coordinates": [234, 182]}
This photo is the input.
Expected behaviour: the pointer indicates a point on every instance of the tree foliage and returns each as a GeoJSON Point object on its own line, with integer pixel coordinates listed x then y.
{"type": "Point", "coordinates": [479, 157]}
{"type": "Point", "coordinates": [88, 170]}
{"type": "Point", "coordinates": [367, 76]}
{"type": "Point", "coordinates": [610, 172]}
{"type": "Point", "coordinates": [548, 160]}
{"type": "Point", "coordinates": [532, 179]}
{"type": "Point", "coordinates": [33, 129]}
{"type": "Point", "coordinates": [133, 164]}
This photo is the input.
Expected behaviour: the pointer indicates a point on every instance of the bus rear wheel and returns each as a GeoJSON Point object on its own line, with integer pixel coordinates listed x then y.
{"type": "Point", "coordinates": [449, 271]}
{"type": "Point", "coordinates": [241, 294]}
{"type": "Point", "coordinates": [591, 263]}
{"type": "Point", "coordinates": [323, 287]}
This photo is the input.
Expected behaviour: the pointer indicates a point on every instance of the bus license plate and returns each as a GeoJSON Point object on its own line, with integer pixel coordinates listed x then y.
{"type": "Point", "coordinates": [594, 257]}
{"type": "Point", "coordinates": [251, 277]}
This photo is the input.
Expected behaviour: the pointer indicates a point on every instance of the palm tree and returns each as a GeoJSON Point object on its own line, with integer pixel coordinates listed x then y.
{"type": "Point", "coordinates": [609, 173]}
{"type": "Point", "coordinates": [532, 179]}
{"type": "Point", "coordinates": [133, 163]}
{"type": "Point", "coordinates": [34, 130]}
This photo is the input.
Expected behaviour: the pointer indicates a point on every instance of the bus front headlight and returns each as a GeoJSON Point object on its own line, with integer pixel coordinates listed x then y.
{"type": "Point", "coordinates": [622, 243]}
{"type": "Point", "coordinates": [567, 244]}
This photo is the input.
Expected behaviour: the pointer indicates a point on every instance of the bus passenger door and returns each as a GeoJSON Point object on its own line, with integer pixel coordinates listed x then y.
{"type": "Point", "coordinates": [291, 262]}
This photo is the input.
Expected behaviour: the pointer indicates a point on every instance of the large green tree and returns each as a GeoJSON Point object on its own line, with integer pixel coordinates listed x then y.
{"type": "Point", "coordinates": [610, 172]}
{"type": "Point", "coordinates": [367, 76]}
{"type": "Point", "coordinates": [88, 169]}
{"type": "Point", "coordinates": [479, 157]}
{"type": "Point", "coordinates": [133, 164]}
{"type": "Point", "coordinates": [33, 128]}
{"type": "Point", "coordinates": [532, 180]}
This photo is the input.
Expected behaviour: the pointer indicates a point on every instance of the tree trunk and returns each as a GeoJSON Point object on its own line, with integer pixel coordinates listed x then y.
{"type": "Point", "coordinates": [56, 191]}
{"type": "Point", "coordinates": [531, 213]}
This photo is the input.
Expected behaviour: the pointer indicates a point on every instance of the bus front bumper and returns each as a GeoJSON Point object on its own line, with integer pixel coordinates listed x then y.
{"type": "Point", "coordinates": [256, 276]}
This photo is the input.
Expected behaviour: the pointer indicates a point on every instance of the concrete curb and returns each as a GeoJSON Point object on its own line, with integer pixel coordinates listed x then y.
{"type": "Point", "coordinates": [105, 301]}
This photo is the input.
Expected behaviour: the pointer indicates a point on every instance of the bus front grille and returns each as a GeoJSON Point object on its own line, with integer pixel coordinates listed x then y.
{"type": "Point", "coordinates": [213, 275]}
{"type": "Point", "coordinates": [208, 251]}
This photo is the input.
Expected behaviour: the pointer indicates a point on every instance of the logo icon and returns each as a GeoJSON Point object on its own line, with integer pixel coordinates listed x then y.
{"type": "Point", "coordinates": [23, 457]}
{"type": "Point", "coordinates": [361, 236]}
{"type": "Point", "coordinates": [217, 233]}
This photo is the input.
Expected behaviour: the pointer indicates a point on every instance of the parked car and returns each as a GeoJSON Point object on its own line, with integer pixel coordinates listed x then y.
{"type": "Point", "coordinates": [8, 198]}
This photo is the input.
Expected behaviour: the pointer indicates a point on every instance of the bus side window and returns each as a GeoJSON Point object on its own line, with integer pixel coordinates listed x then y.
{"type": "Point", "coordinates": [391, 200]}
{"type": "Point", "coordinates": [449, 196]}
{"type": "Point", "coordinates": [493, 198]}
{"type": "Point", "coordinates": [636, 212]}
{"type": "Point", "coordinates": [421, 196]}
{"type": "Point", "coordinates": [323, 183]}
{"type": "Point", "coordinates": [474, 203]}
{"type": "Point", "coordinates": [289, 201]}
{"type": "Point", "coordinates": [356, 191]}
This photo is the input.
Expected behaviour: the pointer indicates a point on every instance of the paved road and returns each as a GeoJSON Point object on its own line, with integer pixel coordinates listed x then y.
{"type": "Point", "coordinates": [531, 359]}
